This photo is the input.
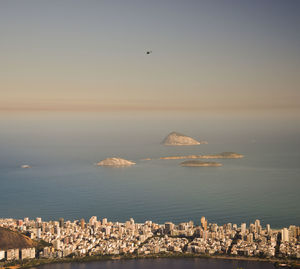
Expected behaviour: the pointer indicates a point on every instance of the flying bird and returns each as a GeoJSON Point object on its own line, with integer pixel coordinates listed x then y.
{"type": "Point", "coordinates": [149, 51]}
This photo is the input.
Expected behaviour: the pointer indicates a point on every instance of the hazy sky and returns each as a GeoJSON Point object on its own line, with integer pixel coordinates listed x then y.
{"type": "Point", "coordinates": [207, 55]}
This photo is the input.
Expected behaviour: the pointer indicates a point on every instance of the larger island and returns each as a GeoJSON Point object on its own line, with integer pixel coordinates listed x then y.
{"type": "Point", "coordinates": [61, 240]}
{"type": "Point", "coordinates": [178, 139]}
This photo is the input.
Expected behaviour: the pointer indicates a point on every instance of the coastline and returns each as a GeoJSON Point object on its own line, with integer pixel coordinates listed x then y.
{"type": "Point", "coordinates": [85, 259]}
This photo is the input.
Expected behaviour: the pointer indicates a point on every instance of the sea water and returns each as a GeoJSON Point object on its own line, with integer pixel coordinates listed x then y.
{"type": "Point", "coordinates": [62, 149]}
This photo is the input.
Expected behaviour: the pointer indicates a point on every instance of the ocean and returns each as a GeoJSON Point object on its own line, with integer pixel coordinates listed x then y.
{"type": "Point", "coordinates": [64, 181]}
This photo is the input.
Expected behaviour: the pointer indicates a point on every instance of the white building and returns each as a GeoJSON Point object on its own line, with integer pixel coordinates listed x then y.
{"type": "Point", "coordinates": [2, 255]}
{"type": "Point", "coordinates": [27, 253]}
{"type": "Point", "coordinates": [285, 235]}
{"type": "Point", "coordinates": [243, 228]}
{"type": "Point", "coordinates": [12, 254]}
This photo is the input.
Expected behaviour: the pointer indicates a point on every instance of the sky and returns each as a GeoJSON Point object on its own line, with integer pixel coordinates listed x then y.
{"type": "Point", "coordinates": [206, 55]}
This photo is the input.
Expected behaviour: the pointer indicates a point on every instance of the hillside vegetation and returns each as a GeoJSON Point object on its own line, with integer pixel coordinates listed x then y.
{"type": "Point", "coordinates": [11, 239]}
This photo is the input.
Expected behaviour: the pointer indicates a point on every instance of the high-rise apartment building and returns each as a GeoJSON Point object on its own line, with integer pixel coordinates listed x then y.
{"type": "Point", "coordinates": [243, 228]}
{"type": "Point", "coordinates": [285, 235]}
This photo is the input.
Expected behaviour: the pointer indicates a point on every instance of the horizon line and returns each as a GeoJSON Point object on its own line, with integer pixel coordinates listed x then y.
{"type": "Point", "coordinates": [67, 107]}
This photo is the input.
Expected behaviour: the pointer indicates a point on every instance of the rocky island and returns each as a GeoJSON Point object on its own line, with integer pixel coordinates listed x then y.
{"type": "Point", "coordinates": [24, 166]}
{"type": "Point", "coordinates": [223, 155]}
{"type": "Point", "coordinates": [200, 164]}
{"type": "Point", "coordinates": [116, 162]}
{"type": "Point", "coordinates": [177, 139]}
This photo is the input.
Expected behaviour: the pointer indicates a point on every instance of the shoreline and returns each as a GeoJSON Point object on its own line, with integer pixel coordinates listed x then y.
{"type": "Point", "coordinates": [98, 258]}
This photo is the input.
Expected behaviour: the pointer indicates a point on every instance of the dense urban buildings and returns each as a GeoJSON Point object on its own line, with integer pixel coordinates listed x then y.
{"type": "Point", "coordinates": [102, 237]}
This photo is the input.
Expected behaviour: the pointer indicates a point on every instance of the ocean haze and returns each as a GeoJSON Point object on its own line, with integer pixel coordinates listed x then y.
{"type": "Point", "coordinates": [62, 149]}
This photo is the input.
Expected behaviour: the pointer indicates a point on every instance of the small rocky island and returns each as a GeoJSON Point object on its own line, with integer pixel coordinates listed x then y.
{"type": "Point", "coordinates": [25, 166]}
{"type": "Point", "coordinates": [194, 163]}
{"type": "Point", "coordinates": [223, 155]}
{"type": "Point", "coordinates": [116, 162]}
{"type": "Point", "coordinates": [177, 139]}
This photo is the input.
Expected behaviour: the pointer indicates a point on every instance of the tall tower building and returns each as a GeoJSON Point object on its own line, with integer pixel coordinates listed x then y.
{"type": "Point", "coordinates": [285, 235]}
{"type": "Point", "coordinates": [169, 227]}
{"type": "Point", "coordinates": [292, 231]}
{"type": "Point", "coordinates": [93, 220]}
{"type": "Point", "coordinates": [257, 226]}
{"type": "Point", "coordinates": [243, 228]}
{"type": "Point", "coordinates": [57, 230]}
{"type": "Point", "coordinates": [61, 222]}
{"type": "Point", "coordinates": [82, 224]}
{"type": "Point", "coordinates": [38, 233]}
{"type": "Point", "coordinates": [19, 222]}
{"type": "Point", "coordinates": [203, 223]}
{"type": "Point", "coordinates": [104, 221]}
{"type": "Point", "coordinates": [250, 237]}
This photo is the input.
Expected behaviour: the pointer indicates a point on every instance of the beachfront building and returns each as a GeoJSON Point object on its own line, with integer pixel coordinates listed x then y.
{"type": "Point", "coordinates": [95, 237]}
